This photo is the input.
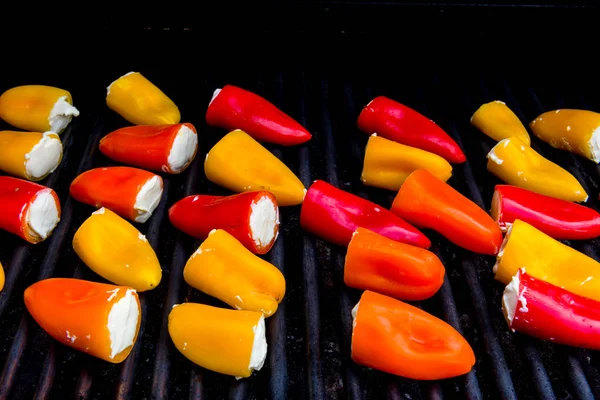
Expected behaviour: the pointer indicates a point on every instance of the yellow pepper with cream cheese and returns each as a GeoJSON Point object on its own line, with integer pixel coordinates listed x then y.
{"type": "Point", "coordinates": [30, 155]}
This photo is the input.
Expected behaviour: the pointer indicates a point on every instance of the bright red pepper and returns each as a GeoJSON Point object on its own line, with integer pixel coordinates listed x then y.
{"type": "Point", "coordinates": [334, 215]}
{"type": "Point", "coordinates": [27, 209]}
{"type": "Point", "coordinates": [235, 108]}
{"type": "Point", "coordinates": [548, 312]}
{"type": "Point", "coordinates": [402, 124]}
{"type": "Point", "coordinates": [429, 202]}
{"type": "Point", "coordinates": [251, 217]}
{"type": "Point", "coordinates": [163, 148]}
{"type": "Point", "coordinates": [557, 218]}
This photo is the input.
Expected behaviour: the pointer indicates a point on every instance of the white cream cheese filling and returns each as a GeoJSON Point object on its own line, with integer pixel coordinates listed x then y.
{"type": "Point", "coordinates": [44, 157]}
{"type": "Point", "coordinates": [61, 115]}
{"type": "Point", "coordinates": [183, 149]}
{"type": "Point", "coordinates": [594, 144]}
{"type": "Point", "coordinates": [148, 198]}
{"type": "Point", "coordinates": [264, 218]}
{"type": "Point", "coordinates": [501, 251]}
{"type": "Point", "coordinates": [259, 346]}
{"type": "Point", "coordinates": [510, 299]}
{"type": "Point", "coordinates": [214, 96]}
{"type": "Point", "coordinates": [42, 214]}
{"type": "Point", "coordinates": [109, 86]}
{"type": "Point", "coordinates": [122, 323]}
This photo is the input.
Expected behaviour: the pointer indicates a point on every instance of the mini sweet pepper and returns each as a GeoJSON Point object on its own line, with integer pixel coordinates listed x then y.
{"type": "Point", "coordinates": [498, 121]}
{"type": "Point", "coordinates": [30, 155]}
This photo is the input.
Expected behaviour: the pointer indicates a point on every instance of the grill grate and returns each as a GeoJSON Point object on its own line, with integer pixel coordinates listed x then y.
{"type": "Point", "coordinates": [309, 336]}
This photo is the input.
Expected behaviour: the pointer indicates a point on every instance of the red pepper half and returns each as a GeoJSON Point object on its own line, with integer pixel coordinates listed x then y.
{"type": "Point", "coordinates": [557, 218]}
{"type": "Point", "coordinates": [402, 124]}
{"type": "Point", "coordinates": [251, 217]}
{"type": "Point", "coordinates": [235, 108]}
{"type": "Point", "coordinates": [27, 209]}
{"type": "Point", "coordinates": [166, 148]}
{"type": "Point", "coordinates": [334, 215]}
{"type": "Point", "coordinates": [548, 312]}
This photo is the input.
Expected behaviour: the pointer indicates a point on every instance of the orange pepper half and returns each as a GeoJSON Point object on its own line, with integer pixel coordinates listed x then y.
{"type": "Point", "coordinates": [403, 340]}
{"type": "Point", "coordinates": [374, 262]}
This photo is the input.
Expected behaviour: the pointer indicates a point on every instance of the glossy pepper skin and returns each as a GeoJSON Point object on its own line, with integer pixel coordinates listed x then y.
{"type": "Point", "coordinates": [76, 312]}
{"type": "Point", "coordinates": [37, 108]}
{"type": "Point", "coordinates": [518, 164]}
{"type": "Point", "coordinates": [30, 155]}
{"type": "Point", "coordinates": [427, 202]}
{"type": "Point", "coordinates": [374, 262]}
{"type": "Point", "coordinates": [240, 164]}
{"type": "Point", "coordinates": [547, 259]}
{"type": "Point", "coordinates": [498, 121]}
{"type": "Point", "coordinates": [548, 312]}
{"type": "Point", "coordinates": [576, 131]}
{"type": "Point", "coordinates": [235, 108]}
{"type": "Point", "coordinates": [1, 277]}
{"type": "Point", "coordinates": [136, 99]}
{"type": "Point", "coordinates": [156, 148]}
{"type": "Point", "coordinates": [402, 124]}
{"type": "Point", "coordinates": [557, 218]}
{"type": "Point", "coordinates": [197, 215]}
{"type": "Point", "coordinates": [218, 339]}
{"type": "Point", "coordinates": [17, 215]}
{"type": "Point", "coordinates": [403, 340]}
{"type": "Point", "coordinates": [116, 251]}
{"type": "Point", "coordinates": [387, 164]}
{"type": "Point", "coordinates": [334, 215]}
{"type": "Point", "coordinates": [130, 192]}
{"type": "Point", "coordinates": [223, 268]}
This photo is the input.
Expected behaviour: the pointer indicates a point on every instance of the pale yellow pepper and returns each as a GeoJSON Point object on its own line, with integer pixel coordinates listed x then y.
{"type": "Point", "coordinates": [140, 102]}
{"type": "Point", "coordinates": [577, 131]}
{"type": "Point", "coordinates": [518, 164]}
{"type": "Point", "coordinates": [37, 108]}
{"type": "Point", "coordinates": [498, 121]}
{"type": "Point", "coordinates": [547, 259]}
{"type": "Point", "coordinates": [30, 155]}
{"type": "Point", "coordinates": [229, 342]}
{"type": "Point", "coordinates": [241, 164]}
{"type": "Point", "coordinates": [116, 251]}
{"type": "Point", "coordinates": [387, 163]}
{"type": "Point", "coordinates": [223, 268]}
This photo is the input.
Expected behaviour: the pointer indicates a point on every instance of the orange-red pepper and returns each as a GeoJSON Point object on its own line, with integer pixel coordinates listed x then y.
{"type": "Point", "coordinates": [406, 272]}
{"type": "Point", "coordinates": [398, 338]}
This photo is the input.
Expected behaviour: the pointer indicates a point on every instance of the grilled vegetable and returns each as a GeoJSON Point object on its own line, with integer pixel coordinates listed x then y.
{"type": "Point", "coordinates": [235, 108]}
{"type": "Point", "coordinates": [116, 251]}
{"type": "Point", "coordinates": [229, 342]}
{"type": "Point", "coordinates": [518, 164]}
{"type": "Point", "coordinates": [95, 318]}
{"type": "Point", "coordinates": [27, 209]}
{"type": "Point", "coordinates": [400, 339]}
{"type": "Point", "coordinates": [136, 99]}
{"type": "Point", "coordinates": [547, 259]}
{"type": "Point", "coordinates": [402, 124]}
{"type": "Point", "coordinates": [498, 121]}
{"type": "Point", "coordinates": [334, 215]}
{"type": "Point", "coordinates": [252, 217]}
{"type": "Point", "coordinates": [37, 108]}
{"type": "Point", "coordinates": [388, 164]}
{"type": "Point", "coordinates": [374, 262]}
{"type": "Point", "coordinates": [241, 164]}
{"type": "Point", "coordinates": [223, 268]}
{"type": "Point", "coordinates": [130, 192]}
{"type": "Point", "coordinates": [428, 202]}
{"type": "Point", "coordinates": [1, 277]}
{"type": "Point", "coordinates": [165, 148]}
{"type": "Point", "coordinates": [30, 155]}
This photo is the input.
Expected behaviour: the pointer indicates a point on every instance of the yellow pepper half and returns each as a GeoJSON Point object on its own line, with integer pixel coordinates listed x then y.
{"type": "Point", "coordinates": [30, 155]}
{"type": "Point", "coordinates": [136, 99]}
{"type": "Point", "coordinates": [498, 121]}
{"type": "Point", "coordinates": [388, 163]}
{"type": "Point", "coordinates": [241, 164]}
{"type": "Point", "coordinates": [116, 251]}
{"type": "Point", "coordinates": [37, 108]}
{"type": "Point", "coordinates": [577, 131]}
{"type": "Point", "coordinates": [230, 342]}
{"type": "Point", "coordinates": [518, 164]}
{"type": "Point", "coordinates": [547, 259]}
{"type": "Point", "coordinates": [223, 268]}
{"type": "Point", "coordinates": [1, 277]}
